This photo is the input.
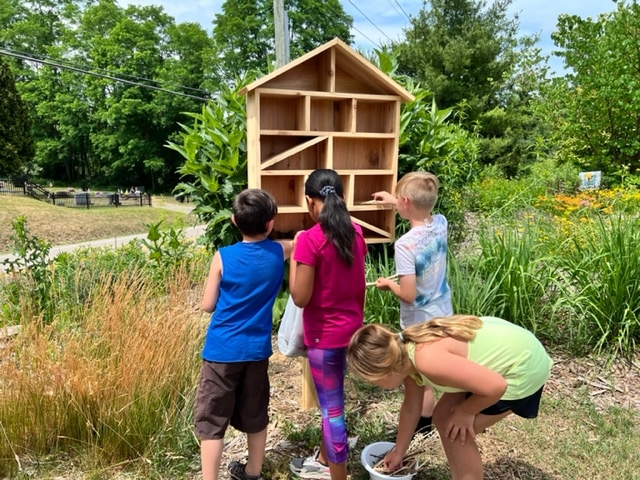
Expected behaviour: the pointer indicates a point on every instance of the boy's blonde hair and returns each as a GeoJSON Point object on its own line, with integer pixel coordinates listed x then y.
{"type": "Point", "coordinates": [419, 187]}
{"type": "Point", "coordinates": [375, 352]}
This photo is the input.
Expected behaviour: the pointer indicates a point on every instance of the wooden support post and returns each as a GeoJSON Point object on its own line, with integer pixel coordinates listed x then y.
{"type": "Point", "coordinates": [309, 397]}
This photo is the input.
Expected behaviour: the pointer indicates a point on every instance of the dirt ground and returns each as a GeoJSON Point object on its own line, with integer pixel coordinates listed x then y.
{"type": "Point", "coordinates": [615, 384]}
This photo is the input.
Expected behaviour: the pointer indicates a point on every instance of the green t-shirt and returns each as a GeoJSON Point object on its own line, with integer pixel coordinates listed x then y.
{"type": "Point", "coordinates": [510, 350]}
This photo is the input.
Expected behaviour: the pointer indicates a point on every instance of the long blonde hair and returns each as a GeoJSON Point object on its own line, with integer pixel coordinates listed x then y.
{"type": "Point", "coordinates": [376, 352]}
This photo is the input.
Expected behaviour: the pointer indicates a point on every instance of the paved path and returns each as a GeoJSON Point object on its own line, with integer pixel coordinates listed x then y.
{"type": "Point", "coordinates": [189, 232]}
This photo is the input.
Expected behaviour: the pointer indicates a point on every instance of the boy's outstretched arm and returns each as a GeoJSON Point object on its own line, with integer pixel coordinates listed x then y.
{"type": "Point", "coordinates": [287, 247]}
{"type": "Point", "coordinates": [405, 290]}
{"type": "Point", "coordinates": [384, 197]}
{"type": "Point", "coordinates": [212, 287]}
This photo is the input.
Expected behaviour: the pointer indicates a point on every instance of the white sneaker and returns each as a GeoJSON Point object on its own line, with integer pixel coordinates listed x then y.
{"type": "Point", "coordinates": [310, 467]}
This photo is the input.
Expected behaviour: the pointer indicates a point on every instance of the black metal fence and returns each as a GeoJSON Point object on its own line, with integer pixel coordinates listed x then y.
{"type": "Point", "coordinates": [73, 199]}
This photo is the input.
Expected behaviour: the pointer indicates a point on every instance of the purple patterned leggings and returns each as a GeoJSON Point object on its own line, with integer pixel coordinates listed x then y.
{"type": "Point", "coordinates": [328, 367]}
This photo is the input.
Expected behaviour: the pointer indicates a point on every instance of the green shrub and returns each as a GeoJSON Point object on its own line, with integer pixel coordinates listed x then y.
{"type": "Point", "coordinates": [601, 283]}
{"type": "Point", "coordinates": [509, 276]}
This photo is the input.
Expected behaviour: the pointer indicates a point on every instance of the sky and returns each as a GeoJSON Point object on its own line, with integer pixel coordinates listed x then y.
{"type": "Point", "coordinates": [377, 21]}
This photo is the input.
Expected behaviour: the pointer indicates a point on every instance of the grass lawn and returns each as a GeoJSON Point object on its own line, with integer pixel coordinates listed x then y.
{"type": "Point", "coordinates": [62, 225]}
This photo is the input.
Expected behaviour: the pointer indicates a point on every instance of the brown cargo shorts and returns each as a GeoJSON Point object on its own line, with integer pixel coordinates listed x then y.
{"type": "Point", "coordinates": [231, 393]}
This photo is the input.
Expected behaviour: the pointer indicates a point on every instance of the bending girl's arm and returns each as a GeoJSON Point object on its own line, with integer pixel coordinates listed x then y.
{"type": "Point", "coordinates": [444, 362]}
{"type": "Point", "coordinates": [212, 287]}
{"type": "Point", "coordinates": [409, 415]}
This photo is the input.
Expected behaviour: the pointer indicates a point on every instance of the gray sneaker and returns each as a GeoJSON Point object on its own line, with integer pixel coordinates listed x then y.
{"type": "Point", "coordinates": [310, 467]}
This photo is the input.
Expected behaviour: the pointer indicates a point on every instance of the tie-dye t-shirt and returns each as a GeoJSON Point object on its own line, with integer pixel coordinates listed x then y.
{"type": "Point", "coordinates": [422, 252]}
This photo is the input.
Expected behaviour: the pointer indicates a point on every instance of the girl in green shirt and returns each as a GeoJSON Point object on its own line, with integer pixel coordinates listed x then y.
{"type": "Point", "coordinates": [485, 368]}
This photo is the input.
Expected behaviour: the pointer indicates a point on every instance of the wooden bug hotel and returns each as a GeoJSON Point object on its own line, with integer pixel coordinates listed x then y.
{"type": "Point", "coordinates": [330, 108]}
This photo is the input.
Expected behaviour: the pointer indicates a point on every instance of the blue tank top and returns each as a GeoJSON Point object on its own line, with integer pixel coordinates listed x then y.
{"type": "Point", "coordinates": [240, 327]}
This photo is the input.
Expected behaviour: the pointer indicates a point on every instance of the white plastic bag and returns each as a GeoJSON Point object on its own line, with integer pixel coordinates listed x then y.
{"type": "Point", "coordinates": [290, 333]}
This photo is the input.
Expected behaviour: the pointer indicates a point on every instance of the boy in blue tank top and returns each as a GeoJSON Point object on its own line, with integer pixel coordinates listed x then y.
{"type": "Point", "coordinates": [244, 280]}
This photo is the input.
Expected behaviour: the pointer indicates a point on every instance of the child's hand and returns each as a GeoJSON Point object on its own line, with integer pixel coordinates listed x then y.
{"type": "Point", "coordinates": [295, 241]}
{"type": "Point", "coordinates": [393, 460]}
{"type": "Point", "coordinates": [460, 423]}
{"type": "Point", "coordinates": [383, 283]}
{"type": "Point", "coordinates": [383, 197]}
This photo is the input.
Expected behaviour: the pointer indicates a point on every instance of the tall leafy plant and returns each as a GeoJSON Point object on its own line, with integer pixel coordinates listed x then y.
{"type": "Point", "coordinates": [602, 283]}
{"type": "Point", "coordinates": [215, 167]}
{"type": "Point", "coordinates": [433, 139]}
{"type": "Point", "coordinates": [30, 264]}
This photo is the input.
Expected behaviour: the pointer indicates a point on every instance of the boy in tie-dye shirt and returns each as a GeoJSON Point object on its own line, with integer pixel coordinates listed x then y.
{"type": "Point", "coordinates": [421, 261]}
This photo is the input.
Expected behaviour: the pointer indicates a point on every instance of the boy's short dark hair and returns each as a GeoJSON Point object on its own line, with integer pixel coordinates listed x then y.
{"type": "Point", "coordinates": [253, 208]}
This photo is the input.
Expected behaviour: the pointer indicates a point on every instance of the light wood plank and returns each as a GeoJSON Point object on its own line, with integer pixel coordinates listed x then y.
{"type": "Point", "coordinates": [253, 140]}
{"type": "Point", "coordinates": [300, 133]}
{"type": "Point", "coordinates": [281, 93]}
{"type": "Point", "coordinates": [369, 226]}
{"type": "Point", "coordinates": [290, 152]}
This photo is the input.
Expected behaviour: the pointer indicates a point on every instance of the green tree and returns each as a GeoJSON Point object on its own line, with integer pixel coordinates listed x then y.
{"type": "Point", "coordinates": [595, 108]}
{"type": "Point", "coordinates": [461, 50]}
{"type": "Point", "coordinates": [16, 142]}
{"type": "Point", "coordinates": [90, 128]}
{"type": "Point", "coordinates": [244, 33]}
{"type": "Point", "coordinates": [469, 55]}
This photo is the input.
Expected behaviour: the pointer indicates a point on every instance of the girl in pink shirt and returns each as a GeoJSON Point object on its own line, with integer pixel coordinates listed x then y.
{"type": "Point", "coordinates": [327, 279]}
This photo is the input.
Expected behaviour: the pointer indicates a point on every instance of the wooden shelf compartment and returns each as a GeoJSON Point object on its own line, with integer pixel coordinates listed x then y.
{"type": "Point", "coordinates": [283, 112]}
{"type": "Point", "coordinates": [286, 225]}
{"type": "Point", "coordinates": [288, 190]}
{"type": "Point", "coordinates": [377, 116]}
{"type": "Point", "coordinates": [364, 153]}
{"type": "Point", "coordinates": [281, 153]}
{"type": "Point", "coordinates": [365, 185]}
{"type": "Point", "coordinates": [330, 115]}
{"type": "Point", "coordinates": [378, 224]}
{"type": "Point", "coordinates": [347, 187]}
{"type": "Point", "coordinates": [315, 74]}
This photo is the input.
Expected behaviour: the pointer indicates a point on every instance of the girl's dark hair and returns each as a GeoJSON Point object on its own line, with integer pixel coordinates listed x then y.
{"type": "Point", "coordinates": [334, 218]}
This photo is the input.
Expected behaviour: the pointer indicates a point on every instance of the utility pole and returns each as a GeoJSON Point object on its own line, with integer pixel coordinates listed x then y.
{"type": "Point", "coordinates": [282, 34]}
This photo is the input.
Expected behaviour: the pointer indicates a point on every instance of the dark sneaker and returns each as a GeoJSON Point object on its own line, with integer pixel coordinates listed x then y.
{"type": "Point", "coordinates": [424, 426]}
{"type": "Point", "coordinates": [237, 472]}
{"type": "Point", "coordinates": [310, 467]}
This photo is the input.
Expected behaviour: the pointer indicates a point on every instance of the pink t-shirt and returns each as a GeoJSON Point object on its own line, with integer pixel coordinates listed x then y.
{"type": "Point", "coordinates": [335, 310]}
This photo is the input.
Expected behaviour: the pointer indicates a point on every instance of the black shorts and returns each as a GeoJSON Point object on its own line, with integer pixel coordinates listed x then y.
{"type": "Point", "coordinates": [524, 407]}
{"type": "Point", "coordinates": [232, 393]}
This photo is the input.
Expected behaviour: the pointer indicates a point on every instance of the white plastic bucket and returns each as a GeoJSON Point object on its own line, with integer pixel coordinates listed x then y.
{"type": "Point", "coordinates": [371, 454]}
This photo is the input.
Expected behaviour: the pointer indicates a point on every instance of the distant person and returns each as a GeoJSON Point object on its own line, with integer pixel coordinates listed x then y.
{"type": "Point", "coordinates": [327, 278]}
{"type": "Point", "coordinates": [485, 368]}
{"type": "Point", "coordinates": [421, 262]}
{"type": "Point", "coordinates": [244, 280]}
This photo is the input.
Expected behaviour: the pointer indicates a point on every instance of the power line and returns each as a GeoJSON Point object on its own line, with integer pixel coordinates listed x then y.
{"type": "Point", "coordinates": [352, 26]}
{"type": "Point", "coordinates": [362, 13]}
{"type": "Point", "coordinates": [120, 74]}
{"type": "Point", "coordinates": [394, 7]}
{"type": "Point", "coordinates": [109, 77]}
{"type": "Point", "coordinates": [405, 13]}
{"type": "Point", "coordinates": [365, 36]}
